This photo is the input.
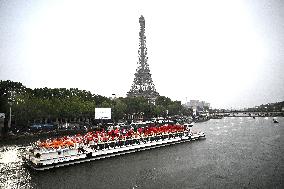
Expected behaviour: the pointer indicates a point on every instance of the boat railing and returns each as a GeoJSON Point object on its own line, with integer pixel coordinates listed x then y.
{"type": "Point", "coordinates": [134, 141]}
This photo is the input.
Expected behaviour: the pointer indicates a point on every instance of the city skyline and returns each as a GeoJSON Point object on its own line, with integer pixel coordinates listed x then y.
{"type": "Point", "coordinates": [226, 53]}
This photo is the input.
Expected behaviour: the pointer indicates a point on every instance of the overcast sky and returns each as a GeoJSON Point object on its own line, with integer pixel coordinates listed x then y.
{"type": "Point", "coordinates": [229, 53]}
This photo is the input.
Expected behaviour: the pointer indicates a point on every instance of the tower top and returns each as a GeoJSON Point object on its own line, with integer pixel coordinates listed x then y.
{"type": "Point", "coordinates": [141, 19]}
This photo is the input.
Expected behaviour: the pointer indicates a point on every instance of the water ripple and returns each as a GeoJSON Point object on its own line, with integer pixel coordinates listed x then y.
{"type": "Point", "coordinates": [13, 174]}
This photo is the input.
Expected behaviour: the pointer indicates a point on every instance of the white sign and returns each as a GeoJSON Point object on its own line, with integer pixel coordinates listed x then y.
{"type": "Point", "coordinates": [2, 115]}
{"type": "Point", "coordinates": [102, 113]}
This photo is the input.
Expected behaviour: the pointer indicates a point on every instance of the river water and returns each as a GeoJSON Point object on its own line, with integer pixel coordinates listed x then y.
{"type": "Point", "coordinates": [237, 153]}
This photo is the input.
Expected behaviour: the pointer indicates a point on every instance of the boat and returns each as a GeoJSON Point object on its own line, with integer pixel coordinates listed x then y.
{"type": "Point", "coordinates": [201, 119]}
{"type": "Point", "coordinates": [215, 116]}
{"type": "Point", "coordinates": [275, 120]}
{"type": "Point", "coordinates": [198, 135]}
{"type": "Point", "coordinates": [69, 150]}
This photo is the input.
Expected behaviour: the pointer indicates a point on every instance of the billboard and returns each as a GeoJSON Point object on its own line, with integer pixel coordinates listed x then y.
{"type": "Point", "coordinates": [2, 115]}
{"type": "Point", "coordinates": [102, 113]}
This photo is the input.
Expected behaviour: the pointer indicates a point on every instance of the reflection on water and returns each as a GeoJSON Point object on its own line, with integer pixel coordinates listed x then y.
{"type": "Point", "coordinates": [238, 153]}
{"type": "Point", "coordinates": [12, 172]}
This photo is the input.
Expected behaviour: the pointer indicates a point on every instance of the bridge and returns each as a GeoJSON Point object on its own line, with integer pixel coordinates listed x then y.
{"type": "Point", "coordinates": [239, 113]}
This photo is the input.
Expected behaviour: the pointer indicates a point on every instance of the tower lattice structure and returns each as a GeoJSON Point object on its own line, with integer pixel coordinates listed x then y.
{"type": "Point", "coordinates": [143, 85]}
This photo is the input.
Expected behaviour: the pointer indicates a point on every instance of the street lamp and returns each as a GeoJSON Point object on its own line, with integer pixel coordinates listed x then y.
{"type": "Point", "coordinates": [10, 115]}
{"type": "Point", "coordinates": [10, 100]}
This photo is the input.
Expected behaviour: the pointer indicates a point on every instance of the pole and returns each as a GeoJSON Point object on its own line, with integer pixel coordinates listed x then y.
{"type": "Point", "coordinates": [10, 118]}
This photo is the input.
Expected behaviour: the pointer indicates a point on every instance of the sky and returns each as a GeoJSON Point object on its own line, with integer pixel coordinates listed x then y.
{"type": "Point", "coordinates": [228, 53]}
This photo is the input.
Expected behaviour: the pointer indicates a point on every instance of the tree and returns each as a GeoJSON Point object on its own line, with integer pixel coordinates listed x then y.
{"type": "Point", "coordinates": [119, 109]}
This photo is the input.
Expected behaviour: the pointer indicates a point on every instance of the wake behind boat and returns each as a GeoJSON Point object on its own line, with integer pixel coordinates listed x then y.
{"type": "Point", "coordinates": [95, 145]}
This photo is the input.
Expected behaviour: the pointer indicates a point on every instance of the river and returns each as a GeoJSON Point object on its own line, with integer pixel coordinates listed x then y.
{"type": "Point", "coordinates": [237, 153]}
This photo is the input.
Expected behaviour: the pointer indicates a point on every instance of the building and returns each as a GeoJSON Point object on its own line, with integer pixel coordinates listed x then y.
{"type": "Point", "coordinates": [196, 104]}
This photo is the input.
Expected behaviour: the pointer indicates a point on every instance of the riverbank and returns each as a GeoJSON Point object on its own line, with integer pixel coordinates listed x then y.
{"type": "Point", "coordinates": [28, 137]}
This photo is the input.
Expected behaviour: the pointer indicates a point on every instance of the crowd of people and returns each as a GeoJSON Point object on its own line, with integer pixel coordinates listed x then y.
{"type": "Point", "coordinates": [113, 137]}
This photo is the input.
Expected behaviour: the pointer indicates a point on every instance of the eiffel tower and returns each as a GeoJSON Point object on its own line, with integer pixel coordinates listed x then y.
{"type": "Point", "coordinates": [143, 85]}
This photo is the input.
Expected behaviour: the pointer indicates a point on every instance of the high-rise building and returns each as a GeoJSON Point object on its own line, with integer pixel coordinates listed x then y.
{"type": "Point", "coordinates": [197, 103]}
{"type": "Point", "coordinates": [143, 85]}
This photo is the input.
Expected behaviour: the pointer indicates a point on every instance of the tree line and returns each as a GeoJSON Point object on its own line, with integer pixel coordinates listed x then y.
{"type": "Point", "coordinates": [64, 105]}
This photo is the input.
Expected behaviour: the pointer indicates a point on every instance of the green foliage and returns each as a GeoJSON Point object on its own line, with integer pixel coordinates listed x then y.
{"type": "Point", "coordinates": [118, 109]}
{"type": "Point", "coordinates": [8, 89]}
{"type": "Point", "coordinates": [163, 101]}
{"type": "Point", "coordinates": [29, 105]}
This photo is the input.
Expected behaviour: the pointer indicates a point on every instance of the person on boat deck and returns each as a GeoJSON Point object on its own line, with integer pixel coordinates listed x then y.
{"type": "Point", "coordinates": [140, 129]}
{"type": "Point", "coordinates": [120, 140]}
{"type": "Point", "coordinates": [116, 132]}
{"type": "Point", "coordinates": [105, 138]}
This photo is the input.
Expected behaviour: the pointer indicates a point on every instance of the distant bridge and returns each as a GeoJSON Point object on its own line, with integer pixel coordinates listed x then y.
{"type": "Point", "coordinates": [240, 113]}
